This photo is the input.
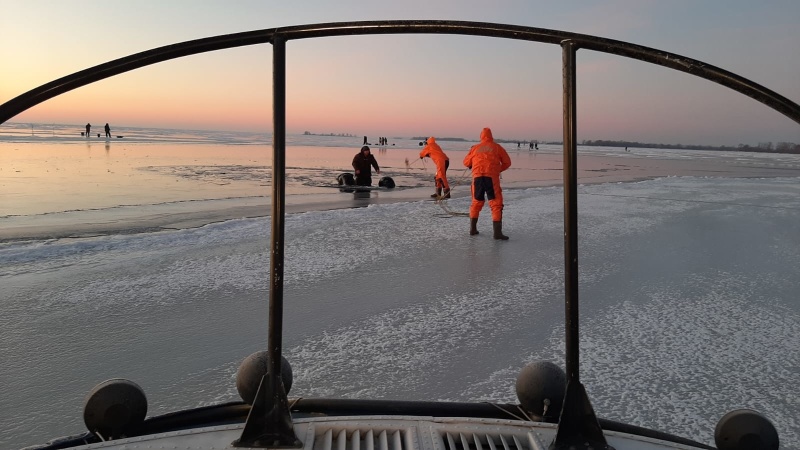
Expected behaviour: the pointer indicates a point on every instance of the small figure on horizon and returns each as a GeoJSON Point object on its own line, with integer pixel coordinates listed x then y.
{"type": "Point", "coordinates": [108, 131]}
{"type": "Point", "coordinates": [365, 140]}
{"type": "Point", "coordinates": [487, 159]}
{"type": "Point", "coordinates": [442, 162]}
{"type": "Point", "coordinates": [362, 164]}
{"type": "Point", "coordinates": [88, 129]}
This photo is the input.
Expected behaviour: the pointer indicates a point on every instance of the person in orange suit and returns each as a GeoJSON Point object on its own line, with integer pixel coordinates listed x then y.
{"type": "Point", "coordinates": [487, 159]}
{"type": "Point", "coordinates": [434, 152]}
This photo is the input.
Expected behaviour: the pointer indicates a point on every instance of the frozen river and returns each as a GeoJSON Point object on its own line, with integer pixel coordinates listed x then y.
{"type": "Point", "coordinates": [688, 288]}
{"type": "Point", "coordinates": [149, 262]}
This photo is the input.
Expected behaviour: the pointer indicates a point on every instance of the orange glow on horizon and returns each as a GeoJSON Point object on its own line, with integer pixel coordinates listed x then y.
{"type": "Point", "coordinates": [392, 85]}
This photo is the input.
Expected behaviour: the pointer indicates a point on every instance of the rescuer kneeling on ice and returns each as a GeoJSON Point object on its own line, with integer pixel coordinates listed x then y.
{"type": "Point", "coordinates": [487, 159]}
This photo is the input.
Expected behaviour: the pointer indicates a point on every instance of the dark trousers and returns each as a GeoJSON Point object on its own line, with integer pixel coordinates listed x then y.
{"type": "Point", "coordinates": [364, 180]}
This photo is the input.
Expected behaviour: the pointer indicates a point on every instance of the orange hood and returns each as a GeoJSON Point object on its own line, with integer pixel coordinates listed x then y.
{"type": "Point", "coordinates": [486, 135]}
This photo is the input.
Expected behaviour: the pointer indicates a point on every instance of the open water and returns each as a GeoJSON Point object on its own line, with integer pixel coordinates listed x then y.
{"type": "Point", "coordinates": [689, 287]}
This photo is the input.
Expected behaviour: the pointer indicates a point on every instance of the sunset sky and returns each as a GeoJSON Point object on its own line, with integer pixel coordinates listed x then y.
{"type": "Point", "coordinates": [402, 86]}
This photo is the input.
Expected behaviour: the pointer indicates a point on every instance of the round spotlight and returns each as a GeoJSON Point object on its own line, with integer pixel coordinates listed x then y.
{"type": "Point", "coordinates": [540, 389]}
{"type": "Point", "coordinates": [114, 408]}
{"type": "Point", "coordinates": [745, 429]}
{"type": "Point", "coordinates": [252, 369]}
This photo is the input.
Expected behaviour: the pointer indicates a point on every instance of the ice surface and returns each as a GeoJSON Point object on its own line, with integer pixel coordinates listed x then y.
{"type": "Point", "coordinates": [689, 300]}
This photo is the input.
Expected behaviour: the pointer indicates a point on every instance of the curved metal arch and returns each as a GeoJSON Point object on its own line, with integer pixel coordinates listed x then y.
{"type": "Point", "coordinates": [674, 61]}
{"type": "Point", "coordinates": [273, 424]}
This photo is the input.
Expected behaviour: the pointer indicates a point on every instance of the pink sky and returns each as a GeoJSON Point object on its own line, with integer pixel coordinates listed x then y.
{"type": "Point", "coordinates": [412, 85]}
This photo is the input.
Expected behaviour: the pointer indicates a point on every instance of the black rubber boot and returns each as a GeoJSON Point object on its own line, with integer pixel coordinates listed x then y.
{"type": "Point", "coordinates": [437, 193]}
{"type": "Point", "coordinates": [473, 226]}
{"type": "Point", "coordinates": [498, 230]}
{"type": "Point", "coordinates": [446, 193]}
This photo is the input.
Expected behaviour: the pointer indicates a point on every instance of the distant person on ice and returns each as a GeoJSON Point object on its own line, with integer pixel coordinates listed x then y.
{"type": "Point", "coordinates": [434, 152]}
{"type": "Point", "coordinates": [487, 159]}
{"type": "Point", "coordinates": [363, 163]}
{"type": "Point", "coordinates": [88, 129]}
{"type": "Point", "coordinates": [108, 131]}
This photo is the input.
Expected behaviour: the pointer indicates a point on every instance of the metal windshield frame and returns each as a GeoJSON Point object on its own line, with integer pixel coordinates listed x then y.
{"type": "Point", "coordinates": [573, 421]}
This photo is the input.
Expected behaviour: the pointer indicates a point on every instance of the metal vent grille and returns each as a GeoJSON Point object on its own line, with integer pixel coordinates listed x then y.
{"type": "Point", "coordinates": [361, 439]}
{"type": "Point", "coordinates": [472, 441]}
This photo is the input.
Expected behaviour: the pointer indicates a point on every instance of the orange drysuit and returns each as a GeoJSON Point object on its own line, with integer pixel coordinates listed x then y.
{"type": "Point", "coordinates": [441, 160]}
{"type": "Point", "coordinates": [487, 159]}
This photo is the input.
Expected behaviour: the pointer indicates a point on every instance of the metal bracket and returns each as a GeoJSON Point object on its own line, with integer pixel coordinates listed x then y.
{"type": "Point", "coordinates": [578, 426]}
{"type": "Point", "coordinates": [269, 423]}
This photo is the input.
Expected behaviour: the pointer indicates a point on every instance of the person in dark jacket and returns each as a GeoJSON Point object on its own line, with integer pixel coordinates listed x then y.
{"type": "Point", "coordinates": [363, 163]}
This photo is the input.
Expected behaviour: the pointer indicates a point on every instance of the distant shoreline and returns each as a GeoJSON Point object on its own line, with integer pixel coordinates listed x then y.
{"type": "Point", "coordinates": [30, 129]}
{"type": "Point", "coordinates": [308, 133]}
{"type": "Point", "coordinates": [453, 139]}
